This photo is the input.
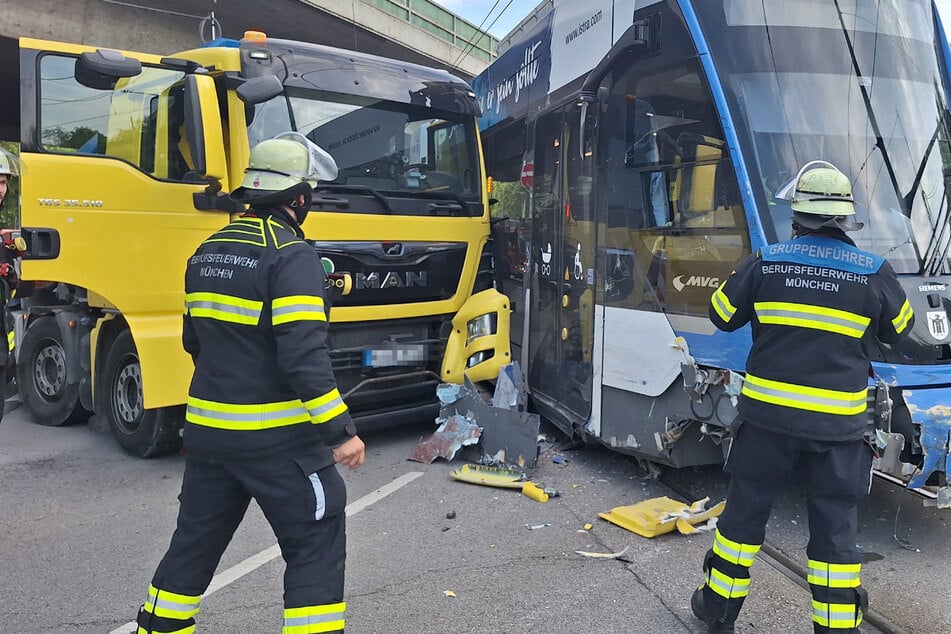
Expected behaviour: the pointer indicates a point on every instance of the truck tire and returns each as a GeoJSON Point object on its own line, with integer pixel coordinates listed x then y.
{"type": "Point", "coordinates": [143, 433]}
{"type": "Point", "coordinates": [41, 374]}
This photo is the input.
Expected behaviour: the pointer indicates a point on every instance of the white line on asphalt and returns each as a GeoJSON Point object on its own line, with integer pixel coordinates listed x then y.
{"type": "Point", "coordinates": [254, 562]}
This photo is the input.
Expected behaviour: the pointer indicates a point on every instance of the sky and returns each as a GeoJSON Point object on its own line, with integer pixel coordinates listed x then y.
{"type": "Point", "coordinates": [502, 15]}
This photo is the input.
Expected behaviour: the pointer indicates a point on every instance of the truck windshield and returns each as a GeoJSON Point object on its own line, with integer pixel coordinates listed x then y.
{"type": "Point", "coordinates": [859, 83]}
{"type": "Point", "coordinates": [395, 152]}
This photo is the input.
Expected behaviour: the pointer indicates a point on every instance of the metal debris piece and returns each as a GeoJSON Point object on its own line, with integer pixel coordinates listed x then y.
{"type": "Point", "coordinates": [901, 541]}
{"type": "Point", "coordinates": [585, 553]}
{"type": "Point", "coordinates": [559, 459]}
{"type": "Point", "coordinates": [451, 515]}
{"type": "Point", "coordinates": [509, 436]}
{"type": "Point", "coordinates": [509, 392]}
{"type": "Point", "coordinates": [453, 434]}
{"type": "Point", "coordinates": [535, 527]}
{"type": "Point", "coordinates": [929, 410]}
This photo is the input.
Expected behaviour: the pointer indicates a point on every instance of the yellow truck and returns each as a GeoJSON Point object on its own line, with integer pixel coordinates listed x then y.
{"type": "Point", "coordinates": [127, 160]}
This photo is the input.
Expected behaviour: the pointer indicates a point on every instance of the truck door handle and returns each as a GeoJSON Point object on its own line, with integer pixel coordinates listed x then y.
{"type": "Point", "coordinates": [41, 243]}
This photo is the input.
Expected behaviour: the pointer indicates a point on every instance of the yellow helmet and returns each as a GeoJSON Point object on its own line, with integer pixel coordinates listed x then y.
{"type": "Point", "coordinates": [8, 163]}
{"type": "Point", "coordinates": [281, 167]}
{"type": "Point", "coordinates": [821, 195]}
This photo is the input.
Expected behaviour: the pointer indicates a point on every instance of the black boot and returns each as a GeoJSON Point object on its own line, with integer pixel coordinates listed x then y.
{"type": "Point", "coordinates": [714, 625]}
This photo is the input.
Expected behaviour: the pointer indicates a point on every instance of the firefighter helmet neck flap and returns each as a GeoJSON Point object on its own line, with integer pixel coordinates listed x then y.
{"type": "Point", "coordinates": [821, 196]}
{"type": "Point", "coordinates": [282, 169]}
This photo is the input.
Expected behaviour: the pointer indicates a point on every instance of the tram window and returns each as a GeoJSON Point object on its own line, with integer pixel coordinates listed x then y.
{"type": "Point", "coordinates": [676, 225]}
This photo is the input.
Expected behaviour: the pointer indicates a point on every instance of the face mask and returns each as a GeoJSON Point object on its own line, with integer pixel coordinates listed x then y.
{"type": "Point", "coordinates": [301, 210]}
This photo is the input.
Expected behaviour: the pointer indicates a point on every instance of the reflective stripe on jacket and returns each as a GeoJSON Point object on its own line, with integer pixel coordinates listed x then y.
{"type": "Point", "coordinates": [256, 326]}
{"type": "Point", "coordinates": [816, 305]}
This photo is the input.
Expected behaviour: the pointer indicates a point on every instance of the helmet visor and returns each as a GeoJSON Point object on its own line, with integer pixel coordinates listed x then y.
{"type": "Point", "coordinates": [318, 166]}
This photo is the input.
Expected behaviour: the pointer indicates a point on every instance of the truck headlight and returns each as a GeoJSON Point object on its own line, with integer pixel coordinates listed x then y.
{"type": "Point", "coordinates": [481, 326]}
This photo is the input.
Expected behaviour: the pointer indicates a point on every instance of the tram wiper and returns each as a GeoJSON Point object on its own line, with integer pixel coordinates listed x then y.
{"type": "Point", "coordinates": [357, 189]}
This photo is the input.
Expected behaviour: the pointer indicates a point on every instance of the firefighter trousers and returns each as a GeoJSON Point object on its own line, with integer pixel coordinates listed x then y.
{"type": "Point", "coordinates": [836, 476]}
{"type": "Point", "coordinates": [305, 508]}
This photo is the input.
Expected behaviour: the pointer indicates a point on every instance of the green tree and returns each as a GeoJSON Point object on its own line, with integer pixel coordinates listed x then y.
{"type": "Point", "coordinates": [10, 213]}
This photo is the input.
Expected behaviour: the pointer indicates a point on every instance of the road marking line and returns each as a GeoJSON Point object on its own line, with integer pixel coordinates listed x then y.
{"type": "Point", "coordinates": [254, 562]}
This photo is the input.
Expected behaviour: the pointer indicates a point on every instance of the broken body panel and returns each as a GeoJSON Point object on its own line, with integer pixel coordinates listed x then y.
{"type": "Point", "coordinates": [649, 138]}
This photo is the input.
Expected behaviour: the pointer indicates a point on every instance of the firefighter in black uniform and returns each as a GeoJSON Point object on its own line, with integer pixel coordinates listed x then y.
{"type": "Point", "coordinates": [817, 303]}
{"type": "Point", "coordinates": [264, 419]}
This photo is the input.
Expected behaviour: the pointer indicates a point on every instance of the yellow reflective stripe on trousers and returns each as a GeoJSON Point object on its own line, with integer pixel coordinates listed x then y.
{"type": "Point", "coordinates": [904, 316]}
{"type": "Point", "coordinates": [326, 407]}
{"type": "Point", "coordinates": [297, 308]}
{"type": "Point", "coordinates": [813, 399]}
{"type": "Point", "coordinates": [224, 308]}
{"type": "Point", "coordinates": [721, 304]}
{"type": "Point", "coordinates": [815, 317]}
{"type": "Point", "coordinates": [315, 619]}
{"type": "Point", "coordinates": [836, 616]}
{"type": "Point", "coordinates": [829, 575]}
{"type": "Point", "coordinates": [726, 586]}
{"type": "Point", "coordinates": [245, 417]}
{"type": "Point", "coordinates": [734, 552]}
{"type": "Point", "coordinates": [165, 604]}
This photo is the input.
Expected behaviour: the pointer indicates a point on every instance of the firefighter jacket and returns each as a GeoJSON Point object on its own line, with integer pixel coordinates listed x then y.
{"type": "Point", "coordinates": [816, 304]}
{"type": "Point", "coordinates": [256, 327]}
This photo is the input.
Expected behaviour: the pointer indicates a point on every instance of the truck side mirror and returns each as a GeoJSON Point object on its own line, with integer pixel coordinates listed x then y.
{"type": "Point", "coordinates": [260, 89]}
{"type": "Point", "coordinates": [102, 69]}
{"type": "Point", "coordinates": [203, 128]}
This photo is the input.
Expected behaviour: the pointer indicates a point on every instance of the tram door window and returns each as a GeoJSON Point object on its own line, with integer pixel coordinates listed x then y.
{"type": "Point", "coordinates": [563, 278]}
{"type": "Point", "coordinates": [675, 222]}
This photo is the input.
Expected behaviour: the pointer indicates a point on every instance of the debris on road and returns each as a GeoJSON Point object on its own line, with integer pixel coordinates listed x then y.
{"type": "Point", "coordinates": [451, 515]}
{"type": "Point", "coordinates": [453, 433]}
{"type": "Point", "coordinates": [502, 478]}
{"type": "Point", "coordinates": [489, 476]}
{"type": "Point", "coordinates": [533, 491]}
{"type": "Point", "coordinates": [618, 555]}
{"type": "Point", "coordinates": [662, 515]}
{"type": "Point", "coordinates": [449, 593]}
{"type": "Point", "coordinates": [559, 459]}
{"type": "Point", "coordinates": [535, 527]}
{"type": "Point", "coordinates": [509, 434]}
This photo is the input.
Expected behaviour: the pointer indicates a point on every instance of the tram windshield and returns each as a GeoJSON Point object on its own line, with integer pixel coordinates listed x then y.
{"type": "Point", "coordinates": [858, 83]}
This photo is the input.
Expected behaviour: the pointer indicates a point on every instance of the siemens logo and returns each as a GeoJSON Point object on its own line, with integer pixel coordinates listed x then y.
{"type": "Point", "coordinates": [376, 280]}
{"type": "Point", "coordinates": [695, 281]}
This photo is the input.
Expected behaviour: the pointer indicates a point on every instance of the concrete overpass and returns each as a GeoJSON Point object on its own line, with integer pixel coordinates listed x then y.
{"type": "Point", "coordinates": [413, 30]}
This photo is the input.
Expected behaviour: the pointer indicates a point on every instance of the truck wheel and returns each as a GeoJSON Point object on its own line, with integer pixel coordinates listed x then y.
{"type": "Point", "coordinates": [143, 433]}
{"type": "Point", "coordinates": [41, 373]}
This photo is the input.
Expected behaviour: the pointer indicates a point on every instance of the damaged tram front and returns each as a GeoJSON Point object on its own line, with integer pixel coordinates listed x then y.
{"type": "Point", "coordinates": [639, 145]}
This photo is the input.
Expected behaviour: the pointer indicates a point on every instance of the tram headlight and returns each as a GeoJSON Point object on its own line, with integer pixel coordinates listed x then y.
{"type": "Point", "coordinates": [481, 326]}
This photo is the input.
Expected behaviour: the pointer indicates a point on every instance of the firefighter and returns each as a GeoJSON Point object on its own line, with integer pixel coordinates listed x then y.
{"type": "Point", "coordinates": [8, 170]}
{"type": "Point", "coordinates": [817, 304]}
{"type": "Point", "coordinates": [264, 418]}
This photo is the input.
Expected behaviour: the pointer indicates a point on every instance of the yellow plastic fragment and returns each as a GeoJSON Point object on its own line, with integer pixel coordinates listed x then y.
{"type": "Point", "coordinates": [662, 515]}
{"type": "Point", "coordinates": [489, 476]}
{"type": "Point", "coordinates": [449, 593]}
{"type": "Point", "coordinates": [588, 526]}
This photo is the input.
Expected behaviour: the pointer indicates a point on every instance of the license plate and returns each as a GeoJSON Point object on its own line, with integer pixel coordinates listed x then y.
{"type": "Point", "coordinates": [403, 354]}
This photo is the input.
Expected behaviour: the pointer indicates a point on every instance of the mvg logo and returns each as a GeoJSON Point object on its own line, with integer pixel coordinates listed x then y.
{"type": "Point", "coordinates": [696, 281]}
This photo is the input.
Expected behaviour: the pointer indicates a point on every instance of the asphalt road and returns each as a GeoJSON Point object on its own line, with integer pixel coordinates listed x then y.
{"type": "Point", "coordinates": [82, 527]}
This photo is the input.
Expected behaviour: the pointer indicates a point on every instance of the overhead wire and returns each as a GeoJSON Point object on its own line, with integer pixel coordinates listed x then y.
{"type": "Point", "coordinates": [482, 33]}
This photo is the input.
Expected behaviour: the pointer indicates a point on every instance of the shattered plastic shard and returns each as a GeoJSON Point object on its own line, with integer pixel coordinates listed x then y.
{"type": "Point", "coordinates": [451, 436]}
